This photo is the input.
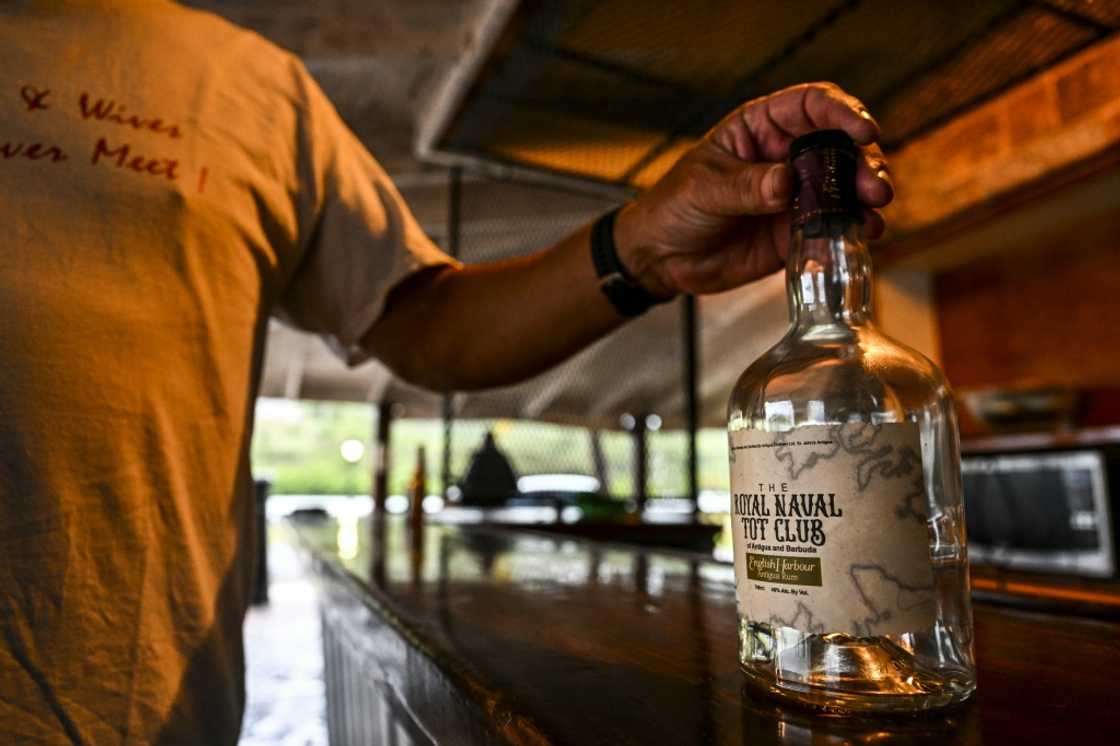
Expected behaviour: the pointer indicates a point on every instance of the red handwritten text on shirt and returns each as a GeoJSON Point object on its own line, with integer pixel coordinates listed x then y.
{"type": "Point", "coordinates": [123, 157]}
{"type": "Point", "coordinates": [35, 151]}
{"type": "Point", "coordinates": [108, 110]}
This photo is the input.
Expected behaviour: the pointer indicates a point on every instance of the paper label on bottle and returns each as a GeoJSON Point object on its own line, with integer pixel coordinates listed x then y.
{"type": "Point", "coordinates": [830, 529]}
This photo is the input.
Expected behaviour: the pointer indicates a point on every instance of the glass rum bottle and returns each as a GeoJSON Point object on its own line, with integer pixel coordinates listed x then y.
{"type": "Point", "coordinates": [850, 556]}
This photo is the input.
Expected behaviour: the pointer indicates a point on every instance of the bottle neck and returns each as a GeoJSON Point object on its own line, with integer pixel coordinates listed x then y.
{"type": "Point", "coordinates": [828, 274]}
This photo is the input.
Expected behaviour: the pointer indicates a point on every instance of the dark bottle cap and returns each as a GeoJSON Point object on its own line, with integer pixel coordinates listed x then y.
{"type": "Point", "coordinates": [836, 139]}
{"type": "Point", "coordinates": [824, 170]}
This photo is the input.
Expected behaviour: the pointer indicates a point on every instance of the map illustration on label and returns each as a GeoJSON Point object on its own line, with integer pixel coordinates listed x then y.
{"type": "Point", "coordinates": [830, 529]}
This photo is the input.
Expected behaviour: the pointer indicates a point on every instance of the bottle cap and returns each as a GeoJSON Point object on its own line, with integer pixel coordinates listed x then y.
{"type": "Point", "coordinates": [824, 170]}
{"type": "Point", "coordinates": [836, 139]}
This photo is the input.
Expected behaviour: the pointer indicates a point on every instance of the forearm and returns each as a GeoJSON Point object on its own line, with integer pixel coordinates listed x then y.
{"type": "Point", "coordinates": [718, 219]}
{"type": "Point", "coordinates": [494, 324]}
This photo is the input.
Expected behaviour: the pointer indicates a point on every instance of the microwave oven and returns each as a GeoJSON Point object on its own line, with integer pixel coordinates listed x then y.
{"type": "Point", "coordinates": [1047, 512]}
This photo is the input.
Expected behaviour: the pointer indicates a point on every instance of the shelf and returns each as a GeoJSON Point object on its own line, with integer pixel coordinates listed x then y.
{"type": "Point", "coordinates": [1085, 438]}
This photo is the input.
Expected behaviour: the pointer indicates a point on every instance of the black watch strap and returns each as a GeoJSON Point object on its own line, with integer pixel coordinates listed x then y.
{"type": "Point", "coordinates": [625, 294]}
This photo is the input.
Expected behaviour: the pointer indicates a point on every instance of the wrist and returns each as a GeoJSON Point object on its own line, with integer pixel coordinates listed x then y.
{"type": "Point", "coordinates": [637, 254]}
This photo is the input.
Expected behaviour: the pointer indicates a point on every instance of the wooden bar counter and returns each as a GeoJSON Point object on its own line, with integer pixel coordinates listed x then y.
{"type": "Point", "coordinates": [494, 636]}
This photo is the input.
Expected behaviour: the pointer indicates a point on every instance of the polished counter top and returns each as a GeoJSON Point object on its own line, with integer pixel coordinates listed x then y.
{"type": "Point", "coordinates": [500, 636]}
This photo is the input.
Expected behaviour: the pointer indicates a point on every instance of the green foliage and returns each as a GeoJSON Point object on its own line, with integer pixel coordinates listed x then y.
{"type": "Point", "coordinates": [296, 446]}
{"type": "Point", "coordinates": [711, 447]}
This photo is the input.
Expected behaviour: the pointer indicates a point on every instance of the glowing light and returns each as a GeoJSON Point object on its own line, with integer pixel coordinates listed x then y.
{"type": "Point", "coordinates": [557, 483]}
{"type": "Point", "coordinates": [348, 536]}
{"type": "Point", "coordinates": [352, 450]}
{"type": "Point", "coordinates": [714, 501]}
{"type": "Point", "coordinates": [396, 504]}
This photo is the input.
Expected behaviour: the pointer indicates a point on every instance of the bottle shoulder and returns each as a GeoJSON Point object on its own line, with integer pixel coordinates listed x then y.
{"type": "Point", "coordinates": [837, 375]}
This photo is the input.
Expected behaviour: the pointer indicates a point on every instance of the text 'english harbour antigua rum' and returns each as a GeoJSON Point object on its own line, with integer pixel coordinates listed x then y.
{"type": "Point", "coordinates": [850, 557]}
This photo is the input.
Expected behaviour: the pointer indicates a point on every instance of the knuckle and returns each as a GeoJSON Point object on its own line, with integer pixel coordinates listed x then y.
{"type": "Point", "coordinates": [700, 183]}
{"type": "Point", "coordinates": [700, 171]}
{"type": "Point", "coordinates": [817, 94]}
{"type": "Point", "coordinates": [748, 185]}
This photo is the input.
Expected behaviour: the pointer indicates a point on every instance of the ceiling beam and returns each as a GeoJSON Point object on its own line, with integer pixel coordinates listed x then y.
{"type": "Point", "coordinates": [450, 94]}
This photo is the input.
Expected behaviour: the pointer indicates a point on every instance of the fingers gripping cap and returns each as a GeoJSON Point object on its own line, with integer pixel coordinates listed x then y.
{"type": "Point", "coordinates": [831, 139]}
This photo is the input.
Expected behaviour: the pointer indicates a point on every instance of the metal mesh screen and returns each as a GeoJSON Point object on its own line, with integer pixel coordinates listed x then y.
{"type": "Point", "coordinates": [613, 89]}
{"type": "Point", "coordinates": [1028, 41]}
{"type": "Point", "coordinates": [1101, 12]}
{"type": "Point", "coordinates": [556, 423]}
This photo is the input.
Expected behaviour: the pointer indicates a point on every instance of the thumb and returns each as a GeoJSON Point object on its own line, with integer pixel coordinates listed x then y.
{"type": "Point", "coordinates": [738, 188]}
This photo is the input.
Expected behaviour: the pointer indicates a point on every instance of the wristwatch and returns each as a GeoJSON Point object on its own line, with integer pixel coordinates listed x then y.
{"type": "Point", "coordinates": [622, 290]}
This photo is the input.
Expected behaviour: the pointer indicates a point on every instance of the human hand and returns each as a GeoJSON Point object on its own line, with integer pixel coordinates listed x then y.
{"type": "Point", "coordinates": [720, 217]}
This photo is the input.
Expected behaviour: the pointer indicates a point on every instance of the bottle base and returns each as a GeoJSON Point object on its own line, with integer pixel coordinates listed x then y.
{"type": "Point", "coordinates": [830, 700]}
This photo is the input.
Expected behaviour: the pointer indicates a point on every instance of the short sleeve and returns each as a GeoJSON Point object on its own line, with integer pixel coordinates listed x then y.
{"type": "Point", "coordinates": [358, 237]}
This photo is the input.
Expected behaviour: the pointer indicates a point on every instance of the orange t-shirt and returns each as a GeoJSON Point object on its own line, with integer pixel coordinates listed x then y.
{"type": "Point", "coordinates": [167, 181]}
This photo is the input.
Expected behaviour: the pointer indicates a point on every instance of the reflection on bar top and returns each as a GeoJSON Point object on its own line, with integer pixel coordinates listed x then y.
{"type": "Point", "coordinates": [557, 640]}
{"type": "Point", "coordinates": [465, 554]}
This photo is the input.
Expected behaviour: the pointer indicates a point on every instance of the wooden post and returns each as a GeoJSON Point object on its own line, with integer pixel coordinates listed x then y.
{"type": "Point", "coordinates": [641, 462]}
{"type": "Point", "coordinates": [691, 363]}
{"type": "Point", "coordinates": [600, 460]}
{"type": "Point", "coordinates": [381, 462]}
{"type": "Point", "coordinates": [381, 456]}
{"type": "Point", "coordinates": [454, 221]}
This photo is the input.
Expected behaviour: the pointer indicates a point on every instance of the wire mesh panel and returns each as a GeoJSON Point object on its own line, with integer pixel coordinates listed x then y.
{"type": "Point", "coordinates": [568, 421]}
{"type": "Point", "coordinates": [613, 90]}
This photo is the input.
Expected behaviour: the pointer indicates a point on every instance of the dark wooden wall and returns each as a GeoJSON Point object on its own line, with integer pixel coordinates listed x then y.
{"type": "Point", "coordinates": [1040, 318]}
